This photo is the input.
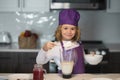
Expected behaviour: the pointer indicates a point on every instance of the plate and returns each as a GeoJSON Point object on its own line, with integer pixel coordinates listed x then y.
{"type": "Point", "coordinates": [3, 78]}
{"type": "Point", "coordinates": [100, 79]}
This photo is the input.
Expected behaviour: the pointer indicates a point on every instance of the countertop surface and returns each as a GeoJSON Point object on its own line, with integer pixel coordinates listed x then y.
{"type": "Point", "coordinates": [113, 47]}
{"type": "Point", "coordinates": [14, 47]}
{"type": "Point", "coordinates": [75, 77]}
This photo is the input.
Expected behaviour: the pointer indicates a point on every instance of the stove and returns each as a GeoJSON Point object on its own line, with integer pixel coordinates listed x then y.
{"type": "Point", "coordinates": [98, 47]}
{"type": "Point", "coordinates": [95, 45]}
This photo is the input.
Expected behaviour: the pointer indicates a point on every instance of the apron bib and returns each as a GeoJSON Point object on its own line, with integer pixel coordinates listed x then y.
{"type": "Point", "coordinates": [79, 65]}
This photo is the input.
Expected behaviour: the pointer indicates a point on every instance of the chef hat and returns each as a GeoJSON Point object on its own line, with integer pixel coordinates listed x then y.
{"type": "Point", "coordinates": [69, 16]}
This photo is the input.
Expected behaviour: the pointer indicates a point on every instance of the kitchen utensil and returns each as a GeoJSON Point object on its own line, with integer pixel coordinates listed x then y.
{"type": "Point", "coordinates": [5, 37]}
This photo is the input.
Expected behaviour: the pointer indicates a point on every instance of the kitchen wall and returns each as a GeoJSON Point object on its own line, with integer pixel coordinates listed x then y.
{"type": "Point", "coordinates": [94, 25]}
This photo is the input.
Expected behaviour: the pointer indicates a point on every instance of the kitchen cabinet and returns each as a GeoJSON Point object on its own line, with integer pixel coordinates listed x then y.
{"type": "Point", "coordinates": [27, 61]}
{"type": "Point", "coordinates": [102, 67]}
{"type": "Point", "coordinates": [114, 65]}
{"type": "Point", "coordinates": [18, 62]}
{"type": "Point", "coordinates": [24, 5]}
{"type": "Point", "coordinates": [9, 5]}
{"type": "Point", "coordinates": [8, 62]}
{"type": "Point", "coordinates": [113, 6]}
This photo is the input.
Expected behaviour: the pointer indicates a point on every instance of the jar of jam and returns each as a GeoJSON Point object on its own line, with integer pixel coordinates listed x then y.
{"type": "Point", "coordinates": [38, 72]}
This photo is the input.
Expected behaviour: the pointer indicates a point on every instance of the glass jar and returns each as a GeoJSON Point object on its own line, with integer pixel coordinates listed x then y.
{"type": "Point", "coordinates": [68, 60]}
{"type": "Point", "coordinates": [38, 72]}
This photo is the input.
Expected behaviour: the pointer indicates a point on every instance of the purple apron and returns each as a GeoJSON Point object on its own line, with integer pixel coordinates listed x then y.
{"type": "Point", "coordinates": [79, 65]}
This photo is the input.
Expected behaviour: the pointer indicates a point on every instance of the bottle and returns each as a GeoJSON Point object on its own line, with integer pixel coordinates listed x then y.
{"type": "Point", "coordinates": [38, 72]}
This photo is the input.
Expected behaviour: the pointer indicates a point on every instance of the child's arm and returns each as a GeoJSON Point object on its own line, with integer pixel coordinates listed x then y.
{"type": "Point", "coordinates": [40, 59]}
{"type": "Point", "coordinates": [44, 56]}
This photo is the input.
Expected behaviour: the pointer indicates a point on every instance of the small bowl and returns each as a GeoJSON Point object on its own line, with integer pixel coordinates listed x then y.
{"type": "Point", "coordinates": [93, 59]}
{"type": "Point", "coordinates": [18, 77]}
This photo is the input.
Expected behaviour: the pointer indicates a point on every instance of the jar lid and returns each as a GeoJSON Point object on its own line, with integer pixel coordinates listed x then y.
{"type": "Point", "coordinates": [38, 65]}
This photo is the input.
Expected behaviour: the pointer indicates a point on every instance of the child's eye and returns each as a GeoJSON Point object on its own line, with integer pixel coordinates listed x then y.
{"type": "Point", "coordinates": [65, 28]}
{"type": "Point", "coordinates": [72, 28]}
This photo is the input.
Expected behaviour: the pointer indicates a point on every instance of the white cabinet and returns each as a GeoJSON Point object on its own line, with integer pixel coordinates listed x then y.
{"type": "Point", "coordinates": [36, 5]}
{"type": "Point", "coordinates": [24, 5]}
{"type": "Point", "coordinates": [113, 5]}
{"type": "Point", "coordinates": [9, 5]}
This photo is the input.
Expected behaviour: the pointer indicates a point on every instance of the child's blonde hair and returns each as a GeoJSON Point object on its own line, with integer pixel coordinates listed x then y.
{"type": "Point", "coordinates": [58, 35]}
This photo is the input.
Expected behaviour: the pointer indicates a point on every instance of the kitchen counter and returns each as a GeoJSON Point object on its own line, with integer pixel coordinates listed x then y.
{"type": "Point", "coordinates": [13, 47]}
{"type": "Point", "coordinates": [77, 77]}
{"type": "Point", "coordinates": [113, 47]}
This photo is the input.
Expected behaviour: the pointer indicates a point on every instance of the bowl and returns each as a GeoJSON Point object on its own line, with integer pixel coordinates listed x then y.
{"type": "Point", "coordinates": [93, 59]}
{"type": "Point", "coordinates": [19, 77]}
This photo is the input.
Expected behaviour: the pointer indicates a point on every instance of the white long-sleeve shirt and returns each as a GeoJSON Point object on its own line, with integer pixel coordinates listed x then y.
{"type": "Point", "coordinates": [54, 53]}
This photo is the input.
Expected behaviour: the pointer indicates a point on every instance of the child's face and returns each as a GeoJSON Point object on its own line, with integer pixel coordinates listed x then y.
{"type": "Point", "coordinates": [68, 31]}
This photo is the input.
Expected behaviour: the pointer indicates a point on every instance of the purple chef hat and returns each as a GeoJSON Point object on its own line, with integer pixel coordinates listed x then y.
{"type": "Point", "coordinates": [69, 16]}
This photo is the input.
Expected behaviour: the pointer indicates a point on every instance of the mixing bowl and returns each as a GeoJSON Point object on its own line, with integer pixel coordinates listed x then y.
{"type": "Point", "coordinates": [93, 59]}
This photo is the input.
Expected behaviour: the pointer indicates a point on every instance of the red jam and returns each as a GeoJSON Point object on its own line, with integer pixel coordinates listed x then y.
{"type": "Point", "coordinates": [38, 72]}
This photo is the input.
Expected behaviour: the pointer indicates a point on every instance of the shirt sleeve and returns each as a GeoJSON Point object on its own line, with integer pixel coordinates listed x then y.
{"type": "Point", "coordinates": [40, 59]}
{"type": "Point", "coordinates": [44, 56]}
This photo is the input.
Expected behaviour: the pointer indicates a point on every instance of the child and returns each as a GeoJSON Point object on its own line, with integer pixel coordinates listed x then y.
{"type": "Point", "coordinates": [67, 35]}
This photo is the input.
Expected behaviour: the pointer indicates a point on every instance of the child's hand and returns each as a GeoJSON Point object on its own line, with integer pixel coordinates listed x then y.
{"type": "Point", "coordinates": [48, 45]}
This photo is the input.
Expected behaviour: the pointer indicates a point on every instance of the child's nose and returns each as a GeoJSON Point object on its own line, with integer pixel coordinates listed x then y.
{"type": "Point", "coordinates": [69, 31]}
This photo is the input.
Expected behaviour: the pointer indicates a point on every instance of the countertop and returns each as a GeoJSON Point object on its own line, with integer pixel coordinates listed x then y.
{"type": "Point", "coordinates": [76, 77]}
{"type": "Point", "coordinates": [113, 47]}
{"type": "Point", "coordinates": [14, 47]}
